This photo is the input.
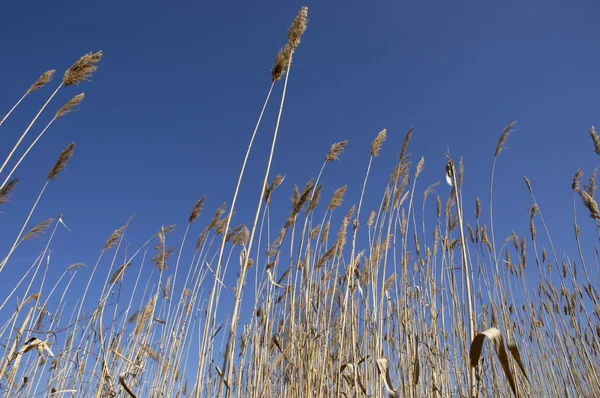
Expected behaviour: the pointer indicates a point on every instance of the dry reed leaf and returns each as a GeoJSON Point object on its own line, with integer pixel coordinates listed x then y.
{"type": "Point", "coordinates": [497, 340]}
{"type": "Point", "coordinates": [122, 377]}
{"type": "Point", "coordinates": [512, 347]}
{"type": "Point", "coordinates": [384, 371]}
{"type": "Point", "coordinates": [117, 276]}
{"type": "Point", "coordinates": [416, 364]}
{"type": "Point", "coordinates": [272, 279]}
{"type": "Point", "coordinates": [449, 173]}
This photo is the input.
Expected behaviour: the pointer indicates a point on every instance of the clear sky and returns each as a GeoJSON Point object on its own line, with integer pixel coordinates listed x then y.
{"type": "Point", "coordinates": [170, 111]}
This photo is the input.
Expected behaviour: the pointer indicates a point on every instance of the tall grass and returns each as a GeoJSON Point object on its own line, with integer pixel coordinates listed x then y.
{"type": "Point", "coordinates": [410, 299]}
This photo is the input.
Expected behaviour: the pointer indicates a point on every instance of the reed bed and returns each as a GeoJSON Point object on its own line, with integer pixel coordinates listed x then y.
{"type": "Point", "coordinates": [418, 297]}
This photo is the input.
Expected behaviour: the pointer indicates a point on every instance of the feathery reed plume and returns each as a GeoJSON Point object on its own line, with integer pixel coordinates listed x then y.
{"type": "Point", "coordinates": [335, 151]}
{"type": "Point", "coordinates": [298, 28]}
{"type": "Point", "coordinates": [596, 140]}
{"type": "Point", "coordinates": [76, 266]}
{"type": "Point", "coordinates": [295, 32]}
{"type": "Point", "coordinates": [6, 191]}
{"type": "Point", "coordinates": [241, 237]}
{"type": "Point", "coordinates": [576, 184]}
{"type": "Point", "coordinates": [82, 69]}
{"type": "Point", "coordinates": [282, 61]}
{"type": "Point", "coordinates": [420, 167]}
{"type": "Point", "coordinates": [38, 230]}
{"type": "Point", "coordinates": [44, 79]}
{"type": "Point", "coordinates": [61, 163]}
{"type": "Point", "coordinates": [196, 210]}
{"type": "Point", "coordinates": [68, 107]}
{"type": "Point", "coordinates": [115, 236]}
{"type": "Point", "coordinates": [377, 142]}
{"type": "Point", "coordinates": [336, 199]}
{"type": "Point", "coordinates": [315, 199]}
{"type": "Point", "coordinates": [591, 187]}
{"type": "Point", "coordinates": [162, 251]}
{"type": "Point", "coordinates": [503, 137]}
{"type": "Point", "coordinates": [590, 203]}
{"type": "Point", "coordinates": [143, 317]}
{"type": "Point", "coordinates": [407, 138]}
{"type": "Point", "coordinates": [269, 189]}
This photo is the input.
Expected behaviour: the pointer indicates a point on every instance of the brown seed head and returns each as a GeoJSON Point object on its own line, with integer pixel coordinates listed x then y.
{"type": "Point", "coordinates": [575, 185]}
{"type": "Point", "coordinates": [420, 167]}
{"type": "Point", "coordinates": [591, 187]}
{"type": "Point", "coordinates": [6, 191]}
{"type": "Point", "coordinates": [528, 184]}
{"type": "Point", "coordinates": [82, 69]}
{"type": "Point", "coordinates": [196, 210]}
{"type": "Point", "coordinates": [405, 144]}
{"type": "Point", "coordinates": [591, 204]}
{"type": "Point", "coordinates": [38, 230]}
{"type": "Point", "coordinates": [337, 197]}
{"type": "Point", "coordinates": [298, 27]}
{"type": "Point", "coordinates": [282, 62]}
{"type": "Point", "coordinates": [596, 140]}
{"type": "Point", "coordinates": [241, 238]}
{"type": "Point", "coordinates": [68, 107]}
{"type": "Point", "coordinates": [61, 163]}
{"type": "Point", "coordinates": [335, 151]}
{"type": "Point", "coordinates": [376, 144]}
{"type": "Point", "coordinates": [44, 79]}
{"type": "Point", "coordinates": [503, 137]}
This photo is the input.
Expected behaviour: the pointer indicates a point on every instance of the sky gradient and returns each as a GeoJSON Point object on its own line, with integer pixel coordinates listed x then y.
{"type": "Point", "coordinates": [168, 116]}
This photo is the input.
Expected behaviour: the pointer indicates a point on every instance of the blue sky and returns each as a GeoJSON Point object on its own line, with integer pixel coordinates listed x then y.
{"type": "Point", "coordinates": [169, 113]}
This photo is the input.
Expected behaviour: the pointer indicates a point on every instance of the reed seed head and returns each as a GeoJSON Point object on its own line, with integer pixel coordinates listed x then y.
{"type": "Point", "coordinates": [591, 204]}
{"type": "Point", "coordinates": [38, 230]}
{"type": "Point", "coordinates": [68, 107]}
{"type": "Point", "coordinates": [298, 28]}
{"type": "Point", "coordinates": [282, 61]}
{"type": "Point", "coordinates": [596, 140]}
{"type": "Point", "coordinates": [6, 191]}
{"type": "Point", "coordinates": [503, 137]}
{"type": "Point", "coordinates": [376, 144]}
{"type": "Point", "coordinates": [61, 163]}
{"type": "Point", "coordinates": [576, 185]}
{"type": "Point", "coordinates": [336, 199]}
{"type": "Point", "coordinates": [82, 69]}
{"type": "Point", "coordinates": [196, 210]}
{"type": "Point", "coordinates": [44, 79]}
{"type": "Point", "coordinates": [335, 151]}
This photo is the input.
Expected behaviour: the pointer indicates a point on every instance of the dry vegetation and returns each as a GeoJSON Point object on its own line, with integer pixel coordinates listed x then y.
{"type": "Point", "coordinates": [345, 302]}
